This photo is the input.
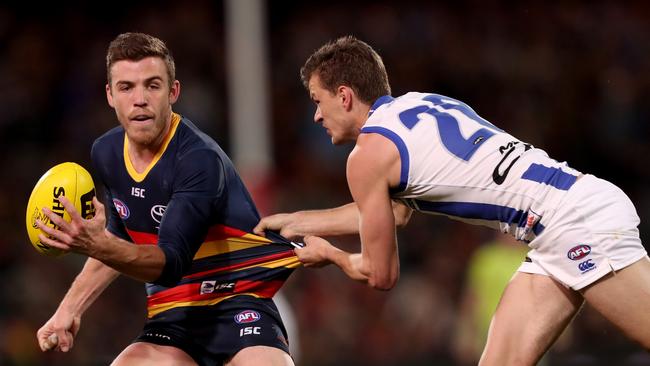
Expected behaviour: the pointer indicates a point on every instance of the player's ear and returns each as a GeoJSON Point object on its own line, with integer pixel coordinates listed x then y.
{"type": "Point", "coordinates": [109, 96]}
{"type": "Point", "coordinates": [344, 94]}
{"type": "Point", "coordinates": [174, 91]}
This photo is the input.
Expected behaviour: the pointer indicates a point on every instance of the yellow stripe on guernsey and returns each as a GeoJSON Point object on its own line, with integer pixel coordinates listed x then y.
{"type": "Point", "coordinates": [291, 262]}
{"type": "Point", "coordinates": [216, 247]}
{"type": "Point", "coordinates": [139, 177]}
{"type": "Point", "coordinates": [157, 309]}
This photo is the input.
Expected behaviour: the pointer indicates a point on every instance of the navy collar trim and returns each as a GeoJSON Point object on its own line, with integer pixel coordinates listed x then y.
{"type": "Point", "coordinates": [379, 102]}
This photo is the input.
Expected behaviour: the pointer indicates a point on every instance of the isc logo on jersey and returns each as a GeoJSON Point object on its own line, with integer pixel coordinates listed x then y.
{"type": "Point", "coordinates": [247, 316]}
{"type": "Point", "coordinates": [578, 252]}
{"type": "Point", "coordinates": [121, 208]}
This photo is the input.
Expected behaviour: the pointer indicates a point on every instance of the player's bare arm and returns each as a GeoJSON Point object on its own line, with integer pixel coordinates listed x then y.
{"type": "Point", "coordinates": [378, 263]}
{"type": "Point", "coordinates": [59, 331]}
{"type": "Point", "coordinates": [342, 220]}
{"type": "Point", "coordinates": [373, 167]}
{"type": "Point", "coordinates": [318, 252]}
{"type": "Point", "coordinates": [88, 237]}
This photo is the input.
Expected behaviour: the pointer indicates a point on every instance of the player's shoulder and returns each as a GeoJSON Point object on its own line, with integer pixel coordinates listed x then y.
{"type": "Point", "coordinates": [191, 140]}
{"type": "Point", "coordinates": [196, 149]}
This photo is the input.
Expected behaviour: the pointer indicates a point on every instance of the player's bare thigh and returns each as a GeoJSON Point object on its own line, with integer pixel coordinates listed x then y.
{"type": "Point", "coordinates": [531, 315]}
{"type": "Point", "coordinates": [144, 354]}
{"type": "Point", "coordinates": [260, 356]}
{"type": "Point", "coordinates": [623, 298]}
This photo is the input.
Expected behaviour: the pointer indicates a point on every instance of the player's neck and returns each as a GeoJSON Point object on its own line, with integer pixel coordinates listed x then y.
{"type": "Point", "coordinates": [361, 116]}
{"type": "Point", "coordinates": [142, 155]}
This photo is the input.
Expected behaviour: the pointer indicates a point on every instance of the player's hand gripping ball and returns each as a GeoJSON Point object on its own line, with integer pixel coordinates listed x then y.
{"type": "Point", "coordinates": [67, 179]}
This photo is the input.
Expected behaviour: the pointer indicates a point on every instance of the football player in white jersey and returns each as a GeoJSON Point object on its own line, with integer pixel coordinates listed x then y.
{"type": "Point", "coordinates": [434, 154]}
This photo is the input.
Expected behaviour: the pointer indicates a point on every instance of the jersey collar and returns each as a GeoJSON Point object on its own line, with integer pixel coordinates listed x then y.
{"type": "Point", "coordinates": [379, 102]}
{"type": "Point", "coordinates": [139, 177]}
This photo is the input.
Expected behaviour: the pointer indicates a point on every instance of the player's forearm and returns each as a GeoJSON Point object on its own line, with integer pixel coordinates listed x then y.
{"type": "Point", "coordinates": [350, 264]}
{"type": "Point", "coordinates": [142, 262]}
{"type": "Point", "coordinates": [341, 220]}
{"type": "Point", "coordinates": [89, 284]}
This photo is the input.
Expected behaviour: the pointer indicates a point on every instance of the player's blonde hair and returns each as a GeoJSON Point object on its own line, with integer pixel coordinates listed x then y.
{"type": "Point", "coordinates": [350, 62]}
{"type": "Point", "coordinates": [135, 47]}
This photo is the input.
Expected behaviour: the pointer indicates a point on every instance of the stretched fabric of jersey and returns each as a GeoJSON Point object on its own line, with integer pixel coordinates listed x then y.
{"type": "Point", "coordinates": [191, 202]}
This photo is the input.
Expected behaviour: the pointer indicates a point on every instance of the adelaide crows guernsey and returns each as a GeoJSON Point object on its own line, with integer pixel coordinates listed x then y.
{"type": "Point", "coordinates": [191, 202]}
{"type": "Point", "coordinates": [457, 164]}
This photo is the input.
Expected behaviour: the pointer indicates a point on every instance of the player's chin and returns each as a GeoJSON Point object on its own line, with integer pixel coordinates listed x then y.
{"type": "Point", "coordinates": [336, 140]}
{"type": "Point", "coordinates": [141, 136]}
{"type": "Point", "coordinates": [339, 141]}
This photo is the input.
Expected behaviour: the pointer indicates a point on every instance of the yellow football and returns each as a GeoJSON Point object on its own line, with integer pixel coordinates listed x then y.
{"type": "Point", "coordinates": [67, 179]}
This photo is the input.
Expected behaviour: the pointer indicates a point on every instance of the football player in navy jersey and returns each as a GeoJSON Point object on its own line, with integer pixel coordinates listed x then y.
{"type": "Point", "coordinates": [434, 154]}
{"type": "Point", "coordinates": [179, 218]}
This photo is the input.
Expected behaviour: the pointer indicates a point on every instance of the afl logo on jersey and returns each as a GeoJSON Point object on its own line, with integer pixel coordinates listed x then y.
{"type": "Point", "coordinates": [157, 212]}
{"type": "Point", "coordinates": [578, 252]}
{"type": "Point", "coordinates": [247, 316]}
{"type": "Point", "coordinates": [121, 208]}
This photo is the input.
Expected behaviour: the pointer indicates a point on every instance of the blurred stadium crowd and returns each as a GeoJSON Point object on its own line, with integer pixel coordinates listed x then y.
{"type": "Point", "coordinates": [571, 78]}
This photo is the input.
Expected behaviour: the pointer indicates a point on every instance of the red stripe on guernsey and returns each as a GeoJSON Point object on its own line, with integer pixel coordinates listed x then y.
{"type": "Point", "coordinates": [217, 232]}
{"type": "Point", "coordinates": [139, 237]}
{"type": "Point", "coordinates": [221, 232]}
{"type": "Point", "coordinates": [288, 253]}
{"type": "Point", "coordinates": [192, 292]}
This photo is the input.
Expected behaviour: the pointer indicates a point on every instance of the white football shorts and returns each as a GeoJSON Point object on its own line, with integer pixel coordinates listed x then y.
{"type": "Point", "coordinates": [593, 232]}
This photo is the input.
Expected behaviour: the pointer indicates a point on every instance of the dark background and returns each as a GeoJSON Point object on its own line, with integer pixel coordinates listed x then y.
{"type": "Point", "coordinates": [568, 77]}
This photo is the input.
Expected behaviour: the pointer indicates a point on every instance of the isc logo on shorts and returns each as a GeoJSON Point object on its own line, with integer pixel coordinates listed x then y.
{"type": "Point", "coordinates": [247, 316]}
{"type": "Point", "coordinates": [578, 252]}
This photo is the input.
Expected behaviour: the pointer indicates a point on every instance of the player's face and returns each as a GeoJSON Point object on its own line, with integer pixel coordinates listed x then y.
{"type": "Point", "coordinates": [331, 113]}
{"type": "Point", "coordinates": [142, 98]}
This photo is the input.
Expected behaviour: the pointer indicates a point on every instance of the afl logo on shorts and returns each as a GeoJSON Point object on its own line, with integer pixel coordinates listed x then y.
{"type": "Point", "coordinates": [578, 252]}
{"type": "Point", "coordinates": [247, 316]}
{"type": "Point", "coordinates": [121, 208]}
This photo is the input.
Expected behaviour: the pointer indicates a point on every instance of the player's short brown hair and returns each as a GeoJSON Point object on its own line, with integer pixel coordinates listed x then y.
{"type": "Point", "coordinates": [351, 62]}
{"type": "Point", "coordinates": [135, 47]}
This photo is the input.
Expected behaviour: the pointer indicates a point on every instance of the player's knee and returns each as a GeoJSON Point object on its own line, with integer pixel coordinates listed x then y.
{"type": "Point", "coordinates": [258, 355]}
{"type": "Point", "coordinates": [643, 341]}
{"type": "Point", "coordinates": [146, 353]}
{"type": "Point", "coordinates": [509, 359]}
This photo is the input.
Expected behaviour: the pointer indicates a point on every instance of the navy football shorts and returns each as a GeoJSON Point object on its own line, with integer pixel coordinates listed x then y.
{"type": "Point", "coordinates": [211, 335]}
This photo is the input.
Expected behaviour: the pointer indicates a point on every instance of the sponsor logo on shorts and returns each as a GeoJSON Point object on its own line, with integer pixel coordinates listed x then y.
{"type": "Point", "coordinates": [586, 266]}
{"type": "Point", "coordinates": [250, 331]}
{"type": "Point", "coordinates": [121, 208]}
{"type": "Point", "coordinates": [578, 252]}
{"type": "Point", "coordinates": [247, 316]}
{"type": "Point", "coordinates": [158, 335]}
{"type": "Point", "coordinates": [208, 287]}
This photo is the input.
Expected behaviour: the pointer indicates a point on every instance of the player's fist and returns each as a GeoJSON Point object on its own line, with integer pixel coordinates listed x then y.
{"type": "Point", "coordinates": [59, 332]}
{"type": "Point", "coordinates": [282, 223]}
{"type": "Point", "coordinates": [317, 252]}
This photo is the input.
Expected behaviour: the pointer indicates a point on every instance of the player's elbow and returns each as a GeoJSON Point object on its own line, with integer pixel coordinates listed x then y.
{"type": "Point", "coordinates": [174, 268]}
{"type": "Point", "coordinates": [402, 220]}
{"type": "Point", "coordinates": [383, 281]}
{"type": "Point", "coordinates": [402, 214]}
